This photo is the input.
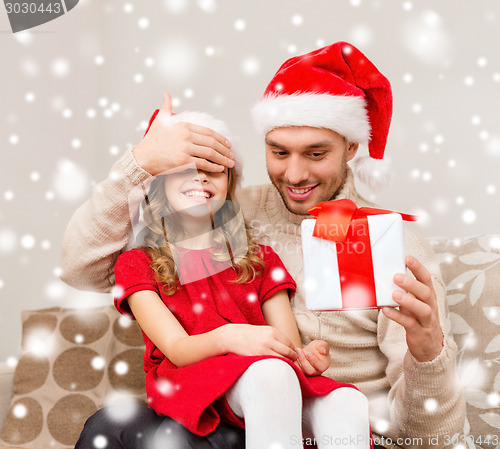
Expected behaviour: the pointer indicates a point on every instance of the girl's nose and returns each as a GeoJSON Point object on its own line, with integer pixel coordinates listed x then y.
{"type": "Point", "coordinates": [201, 177]}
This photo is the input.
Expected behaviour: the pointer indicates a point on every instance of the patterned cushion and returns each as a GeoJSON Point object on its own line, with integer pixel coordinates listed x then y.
{"type": "Point", "coordinates": [471, 271]}
{"type": "Point", "coordinates": [72, 362]}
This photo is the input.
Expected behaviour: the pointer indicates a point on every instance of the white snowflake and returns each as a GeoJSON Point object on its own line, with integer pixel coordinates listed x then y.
{"type": "Point", "coordinates": [495, 243]}
{"type": "Point", "coordinates": [40, 343]}
{"type": "Point", "coordinates": [482, 62]}
{"type": "Point", "coordinates": [208, 6]}
{"type": "Point", "coordinates": [29, 97]}
{"type": "Point", "coordinates": [143, 23]}
{"type": "Point", "coordinates": [30, 68]}
{"type": "Point", "coordinates": [407, 78]}
{"type": "Point", "coordinates": [426, 176]}
{"type": "Point", "coordinates": [240, 25]}
{"type": "Point", "coordinates": [165, 387]}
{"type": "Point", "coordinates": [490, 189]}
{"type": "Point", "coordinates": [469, 81]}
{"type": "Point", "coordinates": [28, 241]}
{"type": "Point", "coordinates": [100, 442]}
{"type": "Point", "coordinates": [484, 135]}
{"type": "Point", "coordinates": [11, 362]}
{"type": "Point", "coordinates": [297, 20]}
{"type": "Point", "coordinates": [8, 241]}
{"type": "Point", "coordinates": [79, 339]}
{"type": "Point", "coordinates": [20, 411]}
{"type": "Point", "coordinates": [430, 405]}
{"type": "Point", "coordinates": [176, 6]}
{"type": "Point", "coordinates": [416, 108]}
{"type": "Point", "coordinates": [70, 181]}
{"type": "Point", "coordinates": [121, 368]}
{"type": "Point", "coordinates": [55, 290]}
{"type": "Point", "coordinates": [99, 60]}
{"type": "Point", "coordinates": [197, 308]}
{"type": "Point", "coordinates": [124, 321]}
{"type": "Point", "coordinates": [493, 146]}
{"type": "Point", "coordinates": [469, 216]}
{"type": "Point", "coordinates": [361, 35]}
{"type": "Point", "coordinates": [494, 399]}
{"type": "Point", "coordinates": [24, 37]}
{"type": "Point", "coordinates": [177, 60]}
{"type": "Point", "coordinates": [250, 66]}
{"type": "Point", "coordinates": [60, 67]}
{"type": "Point", "coordinates": [407, 6]}
{"type": "Point", "coordinates": [278, 274]}
{"type": "Point", "coordinates": [114, 150]}
{"type": "Point", "coordinates": [276, 446]}
{"type": "Point", "coordinates": [381, 426]}
{"type": "Point", "coordinates": [13, 139]}
{"type": "Point", "coordinates": [98, 363]}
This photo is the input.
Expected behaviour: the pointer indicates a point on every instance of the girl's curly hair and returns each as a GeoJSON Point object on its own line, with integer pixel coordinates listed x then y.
{"type": "Point", "coordinates": [244, 255]}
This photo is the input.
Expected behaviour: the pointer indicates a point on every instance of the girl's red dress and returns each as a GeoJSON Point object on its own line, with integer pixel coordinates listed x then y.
{"type": "Point", "coordinates": [194, 395]}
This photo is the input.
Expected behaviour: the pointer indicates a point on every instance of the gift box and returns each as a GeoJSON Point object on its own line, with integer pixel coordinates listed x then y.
{"type": "Point", "coordinates": [351, 255]}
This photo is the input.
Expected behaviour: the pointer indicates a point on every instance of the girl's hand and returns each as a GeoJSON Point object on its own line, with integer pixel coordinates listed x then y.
{"type": "Point", "coordinates": [314, 358]}
{"type": "Point", "coordinates": [247, 339]}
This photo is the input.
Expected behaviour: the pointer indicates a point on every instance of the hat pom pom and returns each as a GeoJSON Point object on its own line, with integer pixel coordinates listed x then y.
{"type": "Point", "coordinates": [375, 173]}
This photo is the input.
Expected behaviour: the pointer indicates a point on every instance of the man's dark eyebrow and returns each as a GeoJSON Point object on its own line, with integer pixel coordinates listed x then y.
{"type": "Point", "coordinates": [322, 144]}
{"type": "Point", "coordinates": [272, 143]}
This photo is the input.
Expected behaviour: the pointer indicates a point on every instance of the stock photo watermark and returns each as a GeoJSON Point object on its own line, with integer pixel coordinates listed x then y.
{"type": "Point", "coordinates": [24, 15]}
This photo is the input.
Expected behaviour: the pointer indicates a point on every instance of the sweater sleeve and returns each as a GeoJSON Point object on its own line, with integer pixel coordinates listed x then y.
{"type": "Point", "coordinates": [99, 229]}
{"type": "Point", "coordinates": [425, 398]}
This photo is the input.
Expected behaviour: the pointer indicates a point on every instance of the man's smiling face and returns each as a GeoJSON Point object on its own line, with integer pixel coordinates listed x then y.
{"type": "Point", "coordinates": [307, 165]}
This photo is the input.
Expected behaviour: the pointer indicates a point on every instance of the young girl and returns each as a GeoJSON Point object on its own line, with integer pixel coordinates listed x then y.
{"type": "Point", "coordinates": [221, 339]}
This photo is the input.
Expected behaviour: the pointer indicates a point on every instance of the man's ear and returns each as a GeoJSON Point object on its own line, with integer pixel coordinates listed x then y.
{"type": "Point", "coordinates": [352, 149]}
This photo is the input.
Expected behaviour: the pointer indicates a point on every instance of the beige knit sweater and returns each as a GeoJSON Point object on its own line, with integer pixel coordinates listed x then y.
{"type": "Point", "coordinates": [366, 348]}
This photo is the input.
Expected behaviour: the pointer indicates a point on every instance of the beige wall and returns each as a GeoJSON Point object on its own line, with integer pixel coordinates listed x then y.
{"type": "Point", "coordinates": [76, 91]}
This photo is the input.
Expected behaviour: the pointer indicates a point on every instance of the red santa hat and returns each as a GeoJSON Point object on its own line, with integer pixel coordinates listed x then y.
{"type": "Point", "coordinates": [207, 121]}
{"type": "Point", "coordinates": [336, 87]}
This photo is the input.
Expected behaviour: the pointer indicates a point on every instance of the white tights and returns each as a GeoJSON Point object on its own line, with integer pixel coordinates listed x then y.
{"type": "Point", "coordinates": [268, 397]}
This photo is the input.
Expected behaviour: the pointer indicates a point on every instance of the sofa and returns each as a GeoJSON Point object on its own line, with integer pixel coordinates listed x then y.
{"type": "Point", "coordinates": [73, 362]}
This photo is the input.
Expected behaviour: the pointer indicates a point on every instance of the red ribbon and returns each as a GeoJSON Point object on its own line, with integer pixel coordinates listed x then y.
{"type": "Point", "coordinates": [346, 224]}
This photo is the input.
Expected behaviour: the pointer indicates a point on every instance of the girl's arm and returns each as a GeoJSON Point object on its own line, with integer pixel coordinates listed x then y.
{"type": "Point", "coordinates": [161, 326]}
{"type": "Point", "coordinates": [314, 358]}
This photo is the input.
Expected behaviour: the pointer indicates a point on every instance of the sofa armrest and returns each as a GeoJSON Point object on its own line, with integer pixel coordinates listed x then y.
{"type": "Point", "coordinates": [6, 383]}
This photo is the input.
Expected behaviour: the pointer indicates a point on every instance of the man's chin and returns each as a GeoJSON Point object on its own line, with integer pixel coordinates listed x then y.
{"type": "Point", "coordinates": [296, 207]}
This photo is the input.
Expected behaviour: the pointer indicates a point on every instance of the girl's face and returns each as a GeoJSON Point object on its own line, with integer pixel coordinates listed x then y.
{"type": "Point", "coordinates": [190, 191]}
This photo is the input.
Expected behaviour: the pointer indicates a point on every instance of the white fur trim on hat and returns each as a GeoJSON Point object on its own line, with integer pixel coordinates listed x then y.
{"type": "Point", "coordinates": [375, 173]}
{"type": "Point", "coordinates": [345, 115]}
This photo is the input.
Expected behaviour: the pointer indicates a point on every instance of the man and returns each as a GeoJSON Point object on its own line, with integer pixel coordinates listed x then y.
{"type": "Point", "coordinates": [315, 112]}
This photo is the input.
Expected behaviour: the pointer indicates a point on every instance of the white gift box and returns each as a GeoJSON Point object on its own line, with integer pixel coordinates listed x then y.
{"type": "Point", "coordinates": [322, 279]}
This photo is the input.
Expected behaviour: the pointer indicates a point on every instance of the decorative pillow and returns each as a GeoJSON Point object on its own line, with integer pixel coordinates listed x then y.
{"type": "Point", "coordinates": [471, 271]}
{"type": "Point", "coordinates": [72, 362]}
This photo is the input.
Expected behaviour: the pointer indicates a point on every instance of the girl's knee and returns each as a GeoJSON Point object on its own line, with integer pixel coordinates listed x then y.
{"type": "Point", "coordinates": [272, 376]}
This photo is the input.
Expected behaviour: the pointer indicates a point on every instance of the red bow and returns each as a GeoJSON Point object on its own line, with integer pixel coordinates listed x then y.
{"type": "Point", "coordinates": [335, 217]}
